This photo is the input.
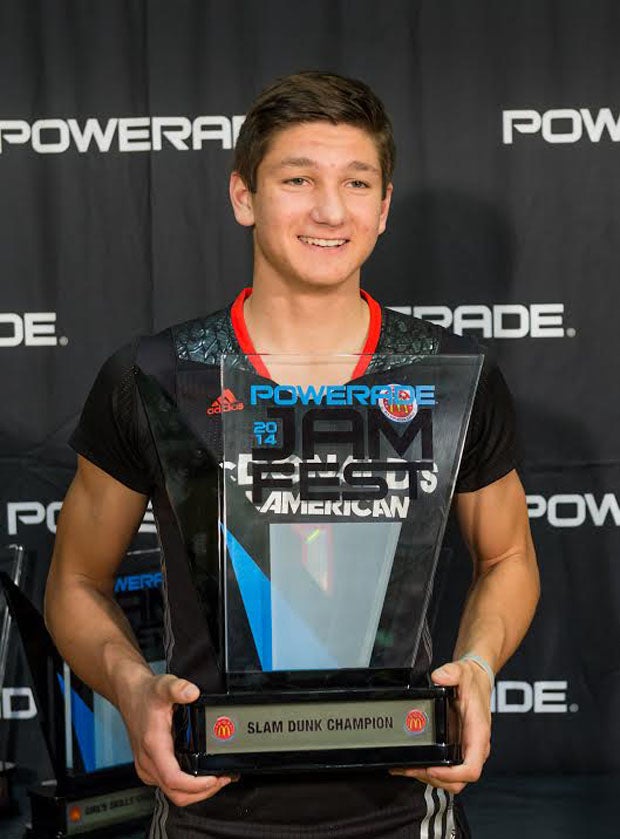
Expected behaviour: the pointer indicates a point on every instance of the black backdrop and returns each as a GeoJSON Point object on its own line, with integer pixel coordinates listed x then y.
{"type": "Point", "coordinates": [116, 126]}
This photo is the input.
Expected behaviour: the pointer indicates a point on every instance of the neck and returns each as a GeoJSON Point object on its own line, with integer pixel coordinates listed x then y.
{"type": "Point", "coordinates": [325, 320]}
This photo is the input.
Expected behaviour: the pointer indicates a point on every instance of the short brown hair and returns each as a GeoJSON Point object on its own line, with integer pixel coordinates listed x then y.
{"type": "Point", "coordinates": [312, 96]}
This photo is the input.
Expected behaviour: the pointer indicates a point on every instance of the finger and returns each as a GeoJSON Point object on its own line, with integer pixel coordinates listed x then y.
{"type": "Point", "coordinates": [463, 774]}
{"type": "Point", "coordinates": [158, 760]}
{"type": "Point", "coordinates": [179, 782]}
{"type": "Point", "coordinates": [448, 674]}
{"type": "Point", "coordinates": [424, 777]}
{"type": "Point", "coordinates": [182, 799]}
{"type": "Point", "coordinates": [176, 691]}
{"type": "Point", "coordinates": [208, 784]}
{"type": "Point", "coordinates": [172, 777]}
{"type": "Point", "coordinates": [163, 770]}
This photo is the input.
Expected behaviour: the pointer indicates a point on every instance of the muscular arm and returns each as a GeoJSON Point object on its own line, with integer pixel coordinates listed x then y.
{"type": "Point", "coordinates": [498, 610]}
{"type": "Point", "coordinates": [501, 602]}
{"type": "Point", "coordinates": [98, 520]}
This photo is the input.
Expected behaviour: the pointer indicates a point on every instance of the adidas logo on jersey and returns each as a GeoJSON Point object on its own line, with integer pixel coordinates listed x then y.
{"type": "Point", "coordinates": [224, 403]}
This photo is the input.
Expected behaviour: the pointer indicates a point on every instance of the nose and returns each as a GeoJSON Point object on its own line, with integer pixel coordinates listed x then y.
{"type": "Point", "coordinates": [328, 207]}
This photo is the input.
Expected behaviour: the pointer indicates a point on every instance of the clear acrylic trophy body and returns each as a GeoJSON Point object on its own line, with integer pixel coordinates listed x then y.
{"type": "Point", "coordinates": [331, 502]}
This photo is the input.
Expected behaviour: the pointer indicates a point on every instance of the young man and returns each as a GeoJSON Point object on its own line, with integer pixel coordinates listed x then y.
{"type": "Point", "coordinates": [312, 179]}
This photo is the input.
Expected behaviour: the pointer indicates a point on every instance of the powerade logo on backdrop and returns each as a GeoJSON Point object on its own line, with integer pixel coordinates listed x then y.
{"type": "Point", "coordinates": [31, 329]}
{"type": "Point", "coordinates": [561, 125]}
{"type": "Point", "coordinates": [544, 697]}
{"type": "Point", "coordinates": [500, 320]}
{"type": "Point", "coordinates": [342, 395]}
{"type": "Point", "coordinates": [21, 514]}
{"type": "Point", "coordinates": [120, 134]}
{"type": "Point", "coordinates": [575, 509]}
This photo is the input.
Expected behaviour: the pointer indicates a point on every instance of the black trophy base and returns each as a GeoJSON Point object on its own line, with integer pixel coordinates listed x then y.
{"type": "Point", "coordinates": [7, 803]}
{"type": "Point", "coordinates": [337, 730]}
{"type": "Point", "coordinates": [99, 813]}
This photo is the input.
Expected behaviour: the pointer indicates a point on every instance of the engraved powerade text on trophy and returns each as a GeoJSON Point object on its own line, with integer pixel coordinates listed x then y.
{"type": "Point", "coordinates": [405, 414]}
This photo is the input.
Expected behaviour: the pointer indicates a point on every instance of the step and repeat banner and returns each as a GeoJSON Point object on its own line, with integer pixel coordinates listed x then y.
{"type": "Point", "coordinates": [117, 124]}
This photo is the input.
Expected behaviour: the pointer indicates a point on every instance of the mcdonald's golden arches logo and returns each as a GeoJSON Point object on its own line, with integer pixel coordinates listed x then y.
{"type": "Point", "coordinates": [415, 721]}
{"type": "Point", "coordinates": [224, 728]}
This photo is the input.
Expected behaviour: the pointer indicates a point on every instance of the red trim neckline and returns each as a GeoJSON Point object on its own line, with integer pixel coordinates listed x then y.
{"type": "Point", "coordinates": [242, 334]}
{"type": "Point", "coordinates": [245, 342]}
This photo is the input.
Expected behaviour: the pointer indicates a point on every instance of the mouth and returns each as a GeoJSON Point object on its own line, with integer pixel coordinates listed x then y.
{"type": "Point", "coordinates": [322, 243]}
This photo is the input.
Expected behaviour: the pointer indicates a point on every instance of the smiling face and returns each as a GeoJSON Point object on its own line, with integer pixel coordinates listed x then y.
{"type": "Point", "coordinates": [318, 207]}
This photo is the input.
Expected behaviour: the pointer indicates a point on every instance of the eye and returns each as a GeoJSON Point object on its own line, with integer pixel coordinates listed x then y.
{"type": "Point", "coordinates": [299, 181]}
{"type": "Point", "coordinates": [359, 184]}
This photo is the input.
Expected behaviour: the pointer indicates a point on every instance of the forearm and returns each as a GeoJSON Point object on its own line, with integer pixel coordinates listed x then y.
{"type": "Point", "coordinates": [93, 635]}
{"type": "Point", "coordinates": [499, 608]}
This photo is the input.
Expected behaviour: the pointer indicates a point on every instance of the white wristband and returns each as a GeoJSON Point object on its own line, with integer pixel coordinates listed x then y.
{"type": "Point", "coordinates": [481, 663]}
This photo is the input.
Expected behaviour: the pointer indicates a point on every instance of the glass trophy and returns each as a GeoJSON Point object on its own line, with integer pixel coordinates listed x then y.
{"type": "Point", "coordinates": [312, 503]}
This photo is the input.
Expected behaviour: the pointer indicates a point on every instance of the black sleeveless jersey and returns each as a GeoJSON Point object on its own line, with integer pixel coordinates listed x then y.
{"type": "Point", "coordinates": [113, 433]}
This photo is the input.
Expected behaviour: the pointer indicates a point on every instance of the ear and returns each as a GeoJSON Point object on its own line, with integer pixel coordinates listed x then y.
{"type": "Point", "coordinates": [241, 200]}
{"type": "Point", "coordinates": [385, 208]}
